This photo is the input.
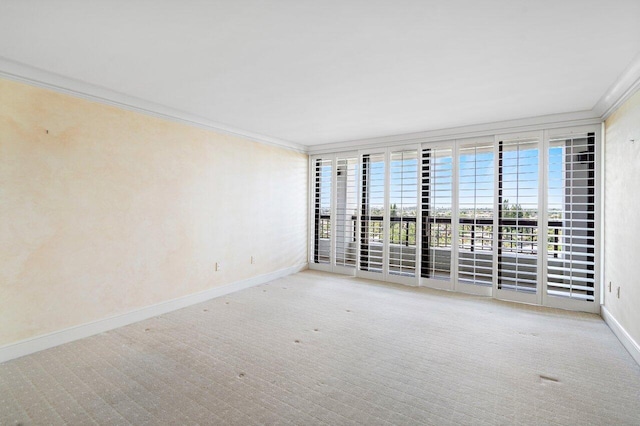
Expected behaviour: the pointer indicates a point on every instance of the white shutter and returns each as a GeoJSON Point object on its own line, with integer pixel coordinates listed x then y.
{"type": "Point", "coordinates": [437, 181]}
{"type": "Point", "coordinates": [346, 211]}
{"type": "Point", "coordinates": [403, 209]}
{"type": "Point", "coordinates": [476, 213]}
{"type": "Point", "coordinates": [514, 211]}
{"type": "Point", "coordinates": [323, 170]}
{"type": "Point", "coordinates": [518, 165]}
{"type": "Point", "coordinates": [373, 213]}
{"type": "Point", "coordinates": [571, 217]}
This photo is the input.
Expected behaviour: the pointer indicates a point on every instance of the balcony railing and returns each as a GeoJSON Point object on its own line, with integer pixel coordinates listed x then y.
{"type": "Point", "coordinates": [517, 235]}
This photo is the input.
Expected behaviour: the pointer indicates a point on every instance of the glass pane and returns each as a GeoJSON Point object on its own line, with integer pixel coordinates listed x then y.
{"type": "Point", "coordinates": [518, 220]}
{"type": "Point", "coordinates": [571, 218]}
{"type": "Point", "coordinates": [373, 212]}
{"type": "Point", "coordinates": [437, 179]}
{"type": "Point", "coordinates": [322, 213]}
{"type": "Point", "coordinates": [403, 206]}
{"type": "Point", "coordinates": [476, 198]}
{"type": "Point", "coordinates": [346, 211]}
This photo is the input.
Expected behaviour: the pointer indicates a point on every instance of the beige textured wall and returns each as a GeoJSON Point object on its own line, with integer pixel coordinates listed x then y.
{"type": "Point", "coordinates": [114, 210]}
{"type": "Point", "coordinates": [622, 215]}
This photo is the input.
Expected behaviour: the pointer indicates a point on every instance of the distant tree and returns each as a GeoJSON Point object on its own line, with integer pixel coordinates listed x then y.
{"type": "Point", "coordinates": [512, 211]}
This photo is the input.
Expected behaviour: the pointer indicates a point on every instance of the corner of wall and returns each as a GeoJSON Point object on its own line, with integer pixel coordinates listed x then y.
{"type": "Point", "coordinates": [621, 205]}
{"type": "Point", "coordinates": [625, 338]}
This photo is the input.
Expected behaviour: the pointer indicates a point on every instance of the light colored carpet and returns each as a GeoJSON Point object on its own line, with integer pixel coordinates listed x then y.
{"type": "Point", "coordinates": [316, 348]}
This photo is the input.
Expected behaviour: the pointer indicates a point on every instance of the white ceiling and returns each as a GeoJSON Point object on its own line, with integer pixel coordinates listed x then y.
{"type": "Point", "coordinates": [314, 72]}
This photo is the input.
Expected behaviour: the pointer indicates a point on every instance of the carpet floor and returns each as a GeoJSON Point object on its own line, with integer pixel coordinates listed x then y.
{"type": "Point", "coordinates": [315, 348]}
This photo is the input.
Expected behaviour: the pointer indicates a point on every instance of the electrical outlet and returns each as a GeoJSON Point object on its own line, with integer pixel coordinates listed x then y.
{"type": "Point", "coordinates": [253, 260]}
{"type": "Point", "coordinates": [218, 266]}
{"type": "Point", "coordinates": [609, 286]}
{"type": "Point", "coordinates": [618, 292]}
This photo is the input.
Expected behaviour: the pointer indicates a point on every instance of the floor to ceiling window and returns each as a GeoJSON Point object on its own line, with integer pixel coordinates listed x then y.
{"type": "Point", "coordinates": [346, 211]}
{"type": "Point", "coordinates": [403, 211]}
{"type": "Point", "coordinates": [373, 213]}
{"type": "Point", "coordinates": [323, 177]}
{"type": "Point", "coordinates": [476, 203]}
{"type": "Point", "coordinates": [508, 216]}
{"type": "Point", "coordinates": [571, 267]}
{"type": "Point", "coordinates": [518, 209]}
{"type": "Point", "coordinates": [437, 215]}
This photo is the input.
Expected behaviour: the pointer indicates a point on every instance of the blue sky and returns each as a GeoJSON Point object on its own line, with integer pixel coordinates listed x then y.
{"type": "Point", "coordinates": [476, 180]}
{"type": "Point", "coordinates": [476, 186]}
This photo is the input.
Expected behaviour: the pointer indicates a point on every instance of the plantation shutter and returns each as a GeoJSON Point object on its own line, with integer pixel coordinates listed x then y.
{"type": "Point", "coordinates": [518, 215]}
{"type": "Point", "coordinates": [323, 170]}
{"type": "Point", "coordinates": [372, 212]}
{"type": "Point", "coordinates": [476, 214]}
{"type": "Point", "coordinates": [403, 207]}
{"type": "Point", "coordinates": [571, 217]}
{"type": "Point", "coordinates": [346, 211]}
{"type": "Point", "coordinates": [437, 180]}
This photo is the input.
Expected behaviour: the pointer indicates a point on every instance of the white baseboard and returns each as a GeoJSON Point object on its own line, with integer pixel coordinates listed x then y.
{"type": "Point", "coordinates": [46, 341]}
{"type": "Point", "coordinates": [624, 337]}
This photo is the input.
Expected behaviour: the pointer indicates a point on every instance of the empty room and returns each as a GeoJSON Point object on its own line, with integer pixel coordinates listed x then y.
{"type": "Point", "coordinates": [319, 212]}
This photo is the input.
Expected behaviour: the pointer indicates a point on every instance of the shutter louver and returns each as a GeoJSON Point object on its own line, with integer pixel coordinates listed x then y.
{"type": "Point", "coordinates": [571, 217]}
{"type": "Point", "coordinates": [518, 215]}
{"type": "Point", "coordinates": [322, 211]}
{"type": "Point", "coordinates": [437, 180]}
{"type": "Point", "coordinates": [372, 213]}
{"type": "Point", "coordinates": [403, 200]}
{"type": "Point", "coordinates": [475, 232]}
{"type": "Point", "coordinates": [346, 211]}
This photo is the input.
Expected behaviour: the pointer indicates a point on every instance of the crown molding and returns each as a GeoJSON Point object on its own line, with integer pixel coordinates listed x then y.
{"type": "Point", "coordinates": [622, 89]}
{"type": "Point", "coordinates": [16, 71]}
{"type": "Point", "coordinates": [626, 85]}
{"type": "Point", "coordinates": [554, 121]}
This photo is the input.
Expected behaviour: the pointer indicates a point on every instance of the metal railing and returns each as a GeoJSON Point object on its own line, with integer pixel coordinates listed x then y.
{"type": "Point", "coordinates": [516, 235]}
{"type": "Point", "coordinates": [402, 229]}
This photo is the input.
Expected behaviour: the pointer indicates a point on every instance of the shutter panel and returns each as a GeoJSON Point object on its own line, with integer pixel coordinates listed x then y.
{"type": "Point", "coordinates": [571, 217]}
{"type": "Point", "coordinates": [322, 211]}
{"type": "Point", "coordinates": [372, 212]}
{"type": "Point", "coordinates": [476, 200]}
{"type": "Point", "coordinates": [518, 215]}
{"type": "Point", "coordinates": [346, 211]}
{"type": "Point", "coordinates": [437, 180]}
{"type": "Point", "coordinates": [403, 201]}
